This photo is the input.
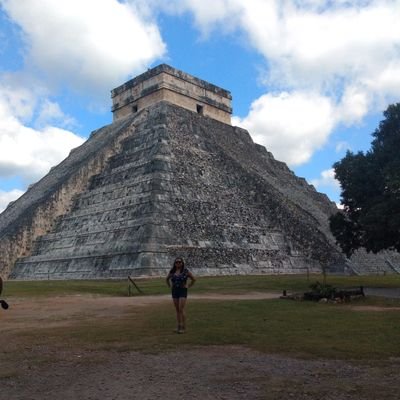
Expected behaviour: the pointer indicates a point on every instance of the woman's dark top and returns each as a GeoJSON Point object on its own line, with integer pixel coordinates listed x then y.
{"type": "Point", "coordinates": [179, 280]}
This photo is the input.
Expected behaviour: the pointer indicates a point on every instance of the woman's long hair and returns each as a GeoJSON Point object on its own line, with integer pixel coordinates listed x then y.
{"type": "Point", "coordinates": [173, 269]}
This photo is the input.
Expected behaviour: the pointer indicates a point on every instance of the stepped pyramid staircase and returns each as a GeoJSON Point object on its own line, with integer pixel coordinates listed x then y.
{"type": "Point", "coordinates": [169, 180]}
{"type": "Point", "coordinates": [183, 184]}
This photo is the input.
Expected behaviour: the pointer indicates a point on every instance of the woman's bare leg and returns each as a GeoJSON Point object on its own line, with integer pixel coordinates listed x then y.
{"type": "Point", "coordinates": [182, 304]}
{"type": "Point", "coordinates": [180, 313]}
{"type": "Point", "coordinates": [178, 316]}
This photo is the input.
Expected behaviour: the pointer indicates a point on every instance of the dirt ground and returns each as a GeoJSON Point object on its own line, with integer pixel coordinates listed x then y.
{"type": "Point", "coordinates": [212, 372]}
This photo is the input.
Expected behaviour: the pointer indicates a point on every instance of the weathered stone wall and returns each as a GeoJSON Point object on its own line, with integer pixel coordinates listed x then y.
{"type": "Point", "coordinates": [164, 83]}
{"type": "Point", "coordinates": [173, 183]}
{"type": "Point", "coordinates": [242, 207]}
{"type": "Point", "coordinates": [107, 233]}
{"type": "Point", "coordinates": [184, 184]}
{"type": "Point", "coordinates": [37, 211]}
{"type": "Point", "coordinates": [385, 262]}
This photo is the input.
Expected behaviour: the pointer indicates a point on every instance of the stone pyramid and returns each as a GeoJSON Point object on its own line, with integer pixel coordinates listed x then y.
{"type": "Point", "coordinates": [170, 176]}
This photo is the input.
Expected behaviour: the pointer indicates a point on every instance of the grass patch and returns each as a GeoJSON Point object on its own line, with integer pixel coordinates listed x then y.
{"type": "Point", "coordinates": [295, 328]}
{"type": "Point", "coordinates": [375, 301]}
{"type": "Point", "coordinates": [226, 284]}
{"type": "Point", "coordinates": [62, 288]}
{"type": "Point", "coordinates": [304, 329]}
{"type": "Point", "coordinates": [300, 329]}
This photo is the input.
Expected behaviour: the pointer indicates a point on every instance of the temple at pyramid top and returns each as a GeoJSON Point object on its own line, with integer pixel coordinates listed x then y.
{"type": "Point", "coordinates": [164, 83]}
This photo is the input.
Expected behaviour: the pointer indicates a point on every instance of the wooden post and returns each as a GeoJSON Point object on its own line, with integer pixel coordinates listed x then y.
{"type": "Point", "coordinates": [134, 284]}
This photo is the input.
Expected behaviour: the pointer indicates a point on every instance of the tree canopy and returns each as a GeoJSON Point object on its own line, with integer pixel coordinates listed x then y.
{"type": "Point", "coordinates": [370, 194]}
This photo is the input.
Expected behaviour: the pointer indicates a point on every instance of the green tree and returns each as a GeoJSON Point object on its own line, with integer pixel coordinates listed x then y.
{"type": "Point", "coordinates": [370, 195]}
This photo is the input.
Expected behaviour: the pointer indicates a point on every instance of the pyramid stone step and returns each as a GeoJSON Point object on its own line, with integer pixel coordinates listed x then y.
{"type": "Point", "coordinates": [171, 177]}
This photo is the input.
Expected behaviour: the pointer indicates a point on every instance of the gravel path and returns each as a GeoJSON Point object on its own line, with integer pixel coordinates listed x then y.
{"type": "Point", "coordinates": [210, 373]}
{"type": "Point", "coordinates": [393, 293]}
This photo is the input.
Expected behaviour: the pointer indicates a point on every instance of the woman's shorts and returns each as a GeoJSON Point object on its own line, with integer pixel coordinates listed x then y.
{"type": "Point", "coordinates": [177, 293]}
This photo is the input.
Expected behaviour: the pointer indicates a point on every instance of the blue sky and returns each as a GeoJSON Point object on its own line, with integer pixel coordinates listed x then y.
{"type": "Point", "coordinates": [309, 79]}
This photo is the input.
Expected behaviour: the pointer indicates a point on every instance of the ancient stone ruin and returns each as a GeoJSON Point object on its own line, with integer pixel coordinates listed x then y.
{"type": "Point", "coordinates": [170, 176]}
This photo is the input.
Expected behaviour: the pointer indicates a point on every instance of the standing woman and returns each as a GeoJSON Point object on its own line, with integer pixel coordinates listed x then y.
{"type": "Point", "coordinates": [177, 279]}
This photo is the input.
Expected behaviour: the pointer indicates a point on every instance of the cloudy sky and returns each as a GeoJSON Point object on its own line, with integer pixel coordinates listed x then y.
{"type": "Point", "coordinates": [309, 78]}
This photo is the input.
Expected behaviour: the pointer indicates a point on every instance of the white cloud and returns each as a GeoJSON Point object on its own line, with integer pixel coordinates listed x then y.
{"type": "Point", "coordinates": [291, 125]}
{"type": "Point", "coordinates": [24, 151]}
{"type": "Point", "coordinates": [344, 52]}
{"type": "Point", "coordinates": [20, 100]}
{"type": "Point", "coordinates": [51, 113]}
{"type": "Point", "coordinates": [326, 180]}
{"type": "Point", "coordinates": [342, 146]}
{"type": "Point", "coordinates": [340, 206]}
{"type": "Point", "coordinates": [388, 80]}
{"type": "Point", "coordinates": [354, 105]}
{"type": "Point", "coordinates": [224, 13]}
{"type": "Point", "coordinates": [326, 183]}
{"type": "Point", "coordinates": [92, 44]}
{"type": "Point", "coordinates": [7, 197]}
{"type": "Point", "coordinates": [208, 15]}
{"type": "Point", "coordinates": [314, 48]}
